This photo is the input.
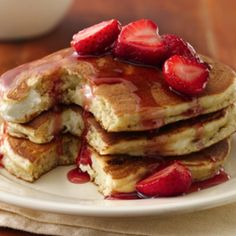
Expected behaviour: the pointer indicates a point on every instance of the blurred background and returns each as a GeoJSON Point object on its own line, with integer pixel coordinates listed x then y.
{"type": "Point", "coordinates": [209, 25]}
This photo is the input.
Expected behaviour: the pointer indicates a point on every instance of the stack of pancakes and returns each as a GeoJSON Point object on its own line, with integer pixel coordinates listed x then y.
{"type": "Point", "coordinates": [128, 118]}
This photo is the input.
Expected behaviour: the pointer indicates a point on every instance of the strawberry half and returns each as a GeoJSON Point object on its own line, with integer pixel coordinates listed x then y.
{"type": "Point", "coordinates": [140, 42]}
{"type": "Point", "coordinates": [177, 46]}
{"type": "Point", "coordinates": [185, 75]}
{"type": "Point", "coordinates": [173, 180]}
{"type": "Point", "coordinates": [97, 38]}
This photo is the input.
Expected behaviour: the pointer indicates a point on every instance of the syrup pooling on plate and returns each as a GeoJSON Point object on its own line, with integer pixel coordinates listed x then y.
{"type": "Point", "coordinates": [76, 176]}
{"type": "Point", "coordinates": [220, 178]}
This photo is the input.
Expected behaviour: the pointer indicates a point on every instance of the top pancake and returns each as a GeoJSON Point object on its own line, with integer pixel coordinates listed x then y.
{"type": "Point", "coordinates": [121, 96]}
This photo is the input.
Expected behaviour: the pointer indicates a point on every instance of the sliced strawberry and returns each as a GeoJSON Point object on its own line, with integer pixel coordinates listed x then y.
{"type": "Point", "coordinates": [140, 42]}
{"type": "Point", "coordinates": [97, 38]}
{"type": "Point", "coordinates": [177, 46]}
{"type": "Point", "coordinates": [173, 180]}
{"type": "Point", "coordinates": [185, 75]}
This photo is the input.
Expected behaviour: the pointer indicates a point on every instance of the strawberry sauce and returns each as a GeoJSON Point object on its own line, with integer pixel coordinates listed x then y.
{"type": "Point", "coordinates": [220, 178]}
{"type": "Point", "coordinates": [1, 164]}
{"type": "Point", "coordinates": [112, 71]}
{"type": "Point", "coordinates": [76, 176]}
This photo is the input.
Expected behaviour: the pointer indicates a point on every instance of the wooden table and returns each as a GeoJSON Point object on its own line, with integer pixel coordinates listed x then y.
{"type": "Point", "coordinates": [210, 26]}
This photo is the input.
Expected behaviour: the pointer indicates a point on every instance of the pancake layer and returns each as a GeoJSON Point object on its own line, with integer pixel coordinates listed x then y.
{"type": "Point", "coordinates": [121, 173]}
{"type": "Point", "coordinates": [49, 124]}
{"type": "Point", "coordinates": [28, 161]}
{"type": "Point", "coordinates": [121, 96]}
{"type": "Point", "coordinates": [179, 138]}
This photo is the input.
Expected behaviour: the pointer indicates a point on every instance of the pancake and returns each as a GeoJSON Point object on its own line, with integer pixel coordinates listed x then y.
{"type": "Point", "coordinates": [178, 138]}
{"type": "Point", "coordinates": [48, 124]}
{"type": "Point", "coordinates": [28, 161]}
{"type": "Point", "coordinates": [121, 96]}
{"type": "Point", "coordinates": [120, 173]}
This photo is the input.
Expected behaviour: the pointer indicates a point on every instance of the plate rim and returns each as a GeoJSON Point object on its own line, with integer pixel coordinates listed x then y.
{"type": "Point", "coordinates": [117, 211]}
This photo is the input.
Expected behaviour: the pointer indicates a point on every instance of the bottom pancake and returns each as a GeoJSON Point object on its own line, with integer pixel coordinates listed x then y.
{"type": "Point", "coordinates": [28, 161]}
{"type": "Point", "coordinates": [121, 173]}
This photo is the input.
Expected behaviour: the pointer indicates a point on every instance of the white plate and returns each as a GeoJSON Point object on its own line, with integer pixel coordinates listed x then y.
{"type": "Point", "coordinates": [54, 193]}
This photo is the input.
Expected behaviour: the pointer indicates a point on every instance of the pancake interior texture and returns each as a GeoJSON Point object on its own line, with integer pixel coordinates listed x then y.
{"type": "Point", "coordinates": [120, 173]}
{"type": "Point", "coordinates": [121, 96]}
{"type": "Point", "coordinates": [179, 138]}
{"type": "Point", "coordinates": [48, 124]}
{"type": "Point", "coordinates": [28, 161]}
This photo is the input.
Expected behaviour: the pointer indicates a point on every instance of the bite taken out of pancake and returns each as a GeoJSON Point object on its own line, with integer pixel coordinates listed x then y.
{"type": "Point", "coordinates": [46, 126]}
{"type": "Point", "coordinates": [178, 138]}
{"type": "Point", "coordinates": [28, 161]}
{"type": "Point", "coordinates": [121, 96]}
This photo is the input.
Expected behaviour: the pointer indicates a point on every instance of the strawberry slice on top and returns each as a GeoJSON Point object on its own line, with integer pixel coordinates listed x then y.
{"type": "Point", "coordinates": [177, 46]}
{"type": "Point", "coordinates": [172, 180]}
{"type": "Point", "coordinates": [97, 38]}
{"type": "Point", "coordinates": [185, 75]}
{"type": "Point", "coordinates": [140, 42]}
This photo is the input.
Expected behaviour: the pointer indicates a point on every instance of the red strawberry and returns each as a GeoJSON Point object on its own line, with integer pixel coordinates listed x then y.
{"type": "Point", "coordinates": [173, 180]}
{"type": "Point", "coordinates": [97, 38]}
{"type": "Point", "coordinates": [185, 75]}
{"type": "Point", "coordinates": [140, 42]}
{"type": "Point", "coordinates": [177, 46]}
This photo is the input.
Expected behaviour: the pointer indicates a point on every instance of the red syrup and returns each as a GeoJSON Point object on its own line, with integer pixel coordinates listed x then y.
{"type": "Point", "coordinates": [76, 176]}
{"type": "Point", "coordinates": [220, 178]}
{"type": "Point", "coordinates": [84, 156]}
{"type": "Point", "coordinates": [1, 164]}
{"type": "Point", "coordinates": [140, 80]}
{"type": "Point", "coordinates": [2, 137]}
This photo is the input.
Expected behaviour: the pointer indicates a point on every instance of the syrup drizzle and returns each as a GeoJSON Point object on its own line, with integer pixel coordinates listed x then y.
{"type": "Point", "coordinates": [2, 137]}
{"type": "Point", "coordinates": [115, 73]}
{"type": "Point", "coordinates": [110, 71]}
{"type": "Point", "coordinates": [84, 157]}
{"type": "Point", "coordinates": [1, 164]}
{"type": "Point", "coordinates": [219, 178]}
